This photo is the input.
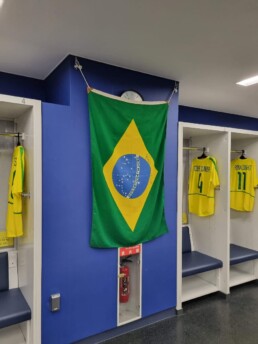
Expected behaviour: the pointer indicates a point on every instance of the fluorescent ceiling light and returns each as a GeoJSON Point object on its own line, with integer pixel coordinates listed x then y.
{"type": "Point", "coordinates": [248, 82]}
{"type": "Point", "coordinates": [1, 3]}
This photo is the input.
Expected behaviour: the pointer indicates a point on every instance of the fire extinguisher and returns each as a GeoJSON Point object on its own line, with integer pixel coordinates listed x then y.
{"type": "Point", "coordinates": [124, 280]}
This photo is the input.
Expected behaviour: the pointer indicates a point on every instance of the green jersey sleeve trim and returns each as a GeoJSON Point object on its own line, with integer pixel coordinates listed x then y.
{"type": "Point", "coordinates": [22, 165]}
{"type": "Point", "coordinates": [213, 160]}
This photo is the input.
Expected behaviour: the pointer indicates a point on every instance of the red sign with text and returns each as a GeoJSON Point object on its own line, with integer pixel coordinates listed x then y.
{"type": "Point", "coordinates": [128, 251]}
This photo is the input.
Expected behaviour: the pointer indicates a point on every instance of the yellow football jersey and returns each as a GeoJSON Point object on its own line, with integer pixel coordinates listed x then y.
{"type": "Point", "coordinates": [202, 182]}
{"type": "Point", "coordinates": [14, 226]}
{"type": "Point", "coordinates": [243, 180]}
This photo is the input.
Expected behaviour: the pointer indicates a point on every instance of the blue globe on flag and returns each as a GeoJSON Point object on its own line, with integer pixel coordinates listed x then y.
{"type": "Point", "coordinates": [131, 175]}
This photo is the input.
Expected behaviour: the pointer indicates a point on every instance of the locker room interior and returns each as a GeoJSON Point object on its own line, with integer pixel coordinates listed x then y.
{"type": "Point", "coordinates": [54, 258]}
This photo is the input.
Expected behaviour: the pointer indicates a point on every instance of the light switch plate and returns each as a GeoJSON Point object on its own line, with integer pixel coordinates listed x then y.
{"type": "Point", "coordinates": [55, 302]}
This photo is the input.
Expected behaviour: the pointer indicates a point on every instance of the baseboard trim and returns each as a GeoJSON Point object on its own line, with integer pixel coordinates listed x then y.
{"type": "Point", "coordinates": [118, 331]}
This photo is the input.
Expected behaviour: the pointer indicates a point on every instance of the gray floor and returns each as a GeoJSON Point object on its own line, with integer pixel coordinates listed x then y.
{"type": "Point", "coordinates": [209, 320]}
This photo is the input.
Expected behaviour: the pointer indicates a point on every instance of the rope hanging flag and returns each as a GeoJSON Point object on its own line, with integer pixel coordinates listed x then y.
{"type": "Point", "coordinates": [78, 66]}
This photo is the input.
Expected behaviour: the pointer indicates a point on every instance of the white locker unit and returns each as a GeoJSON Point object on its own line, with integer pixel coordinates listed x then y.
{"type": "Point", "coordinates": [131, 310]}
{"type": "Point", "coordinates": [243, 225]}
{"type": "Point", "coordinates": [214, 235]}
{"type": "Point", "coordinates": [25, 257]}
{"type": "Point", "coordinates": [209, 235]}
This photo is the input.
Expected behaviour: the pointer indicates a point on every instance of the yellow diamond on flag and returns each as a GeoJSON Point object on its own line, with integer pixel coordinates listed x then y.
{"type": "Point", "coordinates": [130, 174]}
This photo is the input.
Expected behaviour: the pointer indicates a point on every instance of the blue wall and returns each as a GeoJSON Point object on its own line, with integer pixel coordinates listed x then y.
{"type": "Point", "coordinates": [200, 116]}
{"type": "Point", "coordinates": [54, 89]}
{"type": "Point", "coordinates": [21, 86]}
{"type": "Point", "coordinates": [57, 84]}
{"type": "Point", "coordinates": [86, 277]}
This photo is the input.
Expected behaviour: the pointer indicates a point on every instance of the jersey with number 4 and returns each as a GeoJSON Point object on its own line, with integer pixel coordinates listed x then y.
{"type": "Point", "coordinates": [202, 183]}
{"type": "Point", "coordinates": [243, 180]}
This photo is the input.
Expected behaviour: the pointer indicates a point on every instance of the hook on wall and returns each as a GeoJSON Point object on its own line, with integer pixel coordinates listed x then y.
{"type": "Point", "coordinates": [78, 67]}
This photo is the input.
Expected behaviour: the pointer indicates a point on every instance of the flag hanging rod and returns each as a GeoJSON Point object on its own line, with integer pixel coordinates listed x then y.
{"type": "Point", "coordinates": [78, 67]}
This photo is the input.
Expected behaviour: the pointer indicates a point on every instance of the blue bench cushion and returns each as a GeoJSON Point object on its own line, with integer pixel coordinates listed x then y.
{"type": "Point", "coordinates": [195, 262]}
{"type": "Point", "coordinates": [13, 308]}
{"type": "Point", "coordinates": [239, 254]}
{"type": "Point", "coordinates": [4, 275]}
{"type": "Point", "coordinates": [186, 243]}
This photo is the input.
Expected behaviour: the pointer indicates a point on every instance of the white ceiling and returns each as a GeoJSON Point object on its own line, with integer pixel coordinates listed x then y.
{"type": "Point", "coordinates": [206, 45]}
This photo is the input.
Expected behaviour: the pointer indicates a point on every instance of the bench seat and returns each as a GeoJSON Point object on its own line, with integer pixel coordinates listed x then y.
{"type": "Point", "coordinates": [239, 254]}
{"type": "Point", "coordinates": [13, 308]}
{"type": "Point", "coordinates": [195, 262]}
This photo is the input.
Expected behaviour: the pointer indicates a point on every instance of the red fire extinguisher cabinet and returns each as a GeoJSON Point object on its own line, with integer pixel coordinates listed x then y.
{"type": "Point", "coordinates": [129, 284]}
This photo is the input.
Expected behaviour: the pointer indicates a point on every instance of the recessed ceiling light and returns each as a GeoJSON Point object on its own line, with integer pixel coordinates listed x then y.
{"type": "Point", "coordinates": [248, 82]}
{"type": "Point", "coordinates": [1, 3]}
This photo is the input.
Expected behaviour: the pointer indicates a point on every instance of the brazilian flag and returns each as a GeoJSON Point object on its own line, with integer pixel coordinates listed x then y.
{"type": "Point", "coordinates": [127, 151]}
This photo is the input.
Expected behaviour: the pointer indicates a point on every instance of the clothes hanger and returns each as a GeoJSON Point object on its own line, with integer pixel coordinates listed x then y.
{"type": "Point", "coordinates": [203, 156]}
{"type": "Point", "coordinates": [18, 141]}
{"type": "Point", "coordinates": [242, 156]}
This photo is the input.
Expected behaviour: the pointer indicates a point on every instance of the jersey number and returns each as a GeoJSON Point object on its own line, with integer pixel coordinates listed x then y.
{"type": "Point", "coordinates": [200, 183]}
{"type": "Point", "coordinates": [241, 180]}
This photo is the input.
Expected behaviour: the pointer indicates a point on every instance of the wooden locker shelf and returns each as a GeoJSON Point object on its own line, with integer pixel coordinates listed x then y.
{"type": "Point", "coordinates": [239, 277]}
{"type": "Point", "coordinates": [12, 335]}
{"type": "Point", "coordinates": [195, 286]}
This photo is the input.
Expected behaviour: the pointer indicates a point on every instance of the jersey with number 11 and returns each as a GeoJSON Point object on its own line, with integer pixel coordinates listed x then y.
{"type": "Point", "coordinates": [202, 182]}
{"type": "Point", "coordinates": [243, 180]}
